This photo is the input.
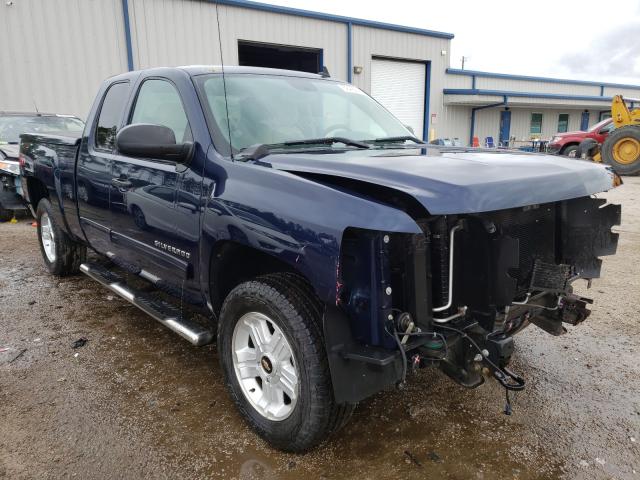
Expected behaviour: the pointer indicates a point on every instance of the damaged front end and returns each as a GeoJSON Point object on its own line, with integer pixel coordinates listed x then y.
{"type": "Point", "coordinates": [454, 295]}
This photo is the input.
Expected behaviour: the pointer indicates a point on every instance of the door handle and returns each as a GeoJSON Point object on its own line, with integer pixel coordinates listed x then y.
{"type": "Point", "coordinates": [188, 206]}
{"type": "Point", "coordinates": [120, 183]}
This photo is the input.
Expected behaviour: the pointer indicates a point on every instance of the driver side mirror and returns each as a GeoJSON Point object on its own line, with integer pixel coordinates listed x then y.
{"type": "Point", "coordinates": [152, 141]}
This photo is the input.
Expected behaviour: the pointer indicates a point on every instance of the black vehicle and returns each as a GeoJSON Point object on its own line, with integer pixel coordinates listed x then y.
{"type": "Point", "coordinates": [12, 125]}
{"type": "Point", "coordinates": [331, 251]}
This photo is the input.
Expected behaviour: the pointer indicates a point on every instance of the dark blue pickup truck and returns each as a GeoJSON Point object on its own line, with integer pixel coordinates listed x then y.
{"type": "Point", "coordinates": [330, 253]}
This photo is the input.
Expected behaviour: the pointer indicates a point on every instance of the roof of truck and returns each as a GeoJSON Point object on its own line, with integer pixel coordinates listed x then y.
{"type": "Point", "coordinates": [195, 70]}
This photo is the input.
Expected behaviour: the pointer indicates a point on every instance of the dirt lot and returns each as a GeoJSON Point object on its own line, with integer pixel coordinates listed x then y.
{"type": "Point", "coordinates": [138, 401]}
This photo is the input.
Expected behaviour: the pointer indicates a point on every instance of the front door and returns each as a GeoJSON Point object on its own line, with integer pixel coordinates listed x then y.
{"type": "Point", "coordinates": [505, 127]}
{"type": "Point", "coordinates": [93, 174]}
{"type": "Point", "coordinates": [146, 213]}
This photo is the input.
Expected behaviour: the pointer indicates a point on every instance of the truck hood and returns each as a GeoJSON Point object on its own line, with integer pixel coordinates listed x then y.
{"type": "Point", "coordinates": [459, 182]}
{"type": "Point", "coordinates": [10, 150]}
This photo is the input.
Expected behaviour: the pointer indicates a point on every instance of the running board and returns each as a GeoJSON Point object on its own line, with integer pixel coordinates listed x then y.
{"type": "Point", "coordinates": [166, 314]}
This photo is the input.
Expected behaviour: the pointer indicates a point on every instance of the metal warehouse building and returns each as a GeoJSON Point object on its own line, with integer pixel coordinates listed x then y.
{"type": "Point", "coordinates": [72, 45]}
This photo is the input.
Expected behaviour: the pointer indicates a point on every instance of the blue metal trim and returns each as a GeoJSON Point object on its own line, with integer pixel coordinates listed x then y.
{"type": "Point", "coordinates": [349, 53]}
{"type": "Point", "coordinates": [455, 71]}
{"type": "Point", "coordinates": [332, 18]}
{"type": "Point", "coordinates": [556, 96]}
{"type": "Point", "coordinates": [127, 34]}
{"type": "Point", "coordinates": [473, 82]}
{"type": "Point", "coordinates": [505, 102]}
{"type": "Point", "coordinates": [602, 90]}
{"type": "Point", "coordinates": [427, 98]}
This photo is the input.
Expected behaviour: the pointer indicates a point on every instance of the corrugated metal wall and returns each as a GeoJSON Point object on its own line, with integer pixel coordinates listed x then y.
{"type": "Point", "coordinates": [488, 122]}
{"type": "Point", "coordinates": [56, 53]}
{"type": "Point", "coordinates": [184, 32]}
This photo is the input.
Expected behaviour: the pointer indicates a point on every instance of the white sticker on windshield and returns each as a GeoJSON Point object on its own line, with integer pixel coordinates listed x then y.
{"type": "Point", "coordinates": [350, 88]}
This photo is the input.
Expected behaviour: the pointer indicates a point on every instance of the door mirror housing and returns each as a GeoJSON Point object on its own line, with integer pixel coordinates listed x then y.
{"type": "Point", "coordinates": [152, 141]}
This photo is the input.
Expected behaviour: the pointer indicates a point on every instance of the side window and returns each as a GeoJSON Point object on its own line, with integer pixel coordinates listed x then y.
{"type": "Point", "coordinates": [536, 124]}
{"type": "Point", "coordinates": [158, 103]}
{"type": "Point", "coordinates": [110, 114]}
{"type": "Point", "coordinates": [563, 122]}
{"type": "Point", "coordinates": [163, 193]}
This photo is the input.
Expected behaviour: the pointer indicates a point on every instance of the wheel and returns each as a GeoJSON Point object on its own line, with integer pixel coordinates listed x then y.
{"type": "Point", "coordinates": [570, 151]}
{"type": "Point", "coordinates": [587, 149]}
{"type": "Point", "coordinates": [138, 218]}
{"type": "Point", "coordinates": [275, 364]}
{"type": "Point", "coordinates": [61, 255]}
{"type": "Point", "coordinates": [621, 150]}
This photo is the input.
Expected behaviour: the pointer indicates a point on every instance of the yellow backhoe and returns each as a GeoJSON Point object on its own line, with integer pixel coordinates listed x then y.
{"type": "Point", "coordinates": [621, 149]}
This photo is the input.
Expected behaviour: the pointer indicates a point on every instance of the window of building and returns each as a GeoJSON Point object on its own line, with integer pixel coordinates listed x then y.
{"type": "Point", "coordinates": [605, 115]}
{"type": "Point", "coordinates": [563, 122]}
{"type": "Point", "coordinates": [110, 115]}
{"type": "Point", "coordinates": [536, 124]}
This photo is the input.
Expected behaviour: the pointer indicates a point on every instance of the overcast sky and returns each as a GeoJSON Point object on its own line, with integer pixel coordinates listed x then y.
{"type": "Point", "coordinates": [589, 40]}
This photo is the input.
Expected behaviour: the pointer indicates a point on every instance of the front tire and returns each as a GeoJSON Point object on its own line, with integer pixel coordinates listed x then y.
{"type": "Point", "coordinates": [62, 256]}
{"type": "Point", "coordinates": [275, 364]}
{"type": "Point", "coordinates": [571, 151]}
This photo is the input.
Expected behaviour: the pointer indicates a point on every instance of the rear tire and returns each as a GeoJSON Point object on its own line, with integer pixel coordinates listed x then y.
{"type": "Point", "coordinates": [62, 256]}
{"type": "Point", "coordinates": [621, 150]}
{"type": "Point", "coordinates": [289, 307]}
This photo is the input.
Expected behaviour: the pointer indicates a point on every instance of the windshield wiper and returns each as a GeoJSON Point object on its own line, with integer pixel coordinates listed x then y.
{"type": "Point", "coordinates": [260, 150]}
{"type": "Point", "coordinates": [327, 141]}
{"type": "Point", "coordinates": [403, 138]}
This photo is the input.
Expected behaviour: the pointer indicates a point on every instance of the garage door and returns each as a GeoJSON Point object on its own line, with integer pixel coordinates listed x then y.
{"type": "Point", "coordinates": [399, 86]}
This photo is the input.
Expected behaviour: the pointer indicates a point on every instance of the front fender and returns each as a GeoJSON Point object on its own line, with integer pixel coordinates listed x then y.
{"type": "Point", "coordinates": [296, 220]}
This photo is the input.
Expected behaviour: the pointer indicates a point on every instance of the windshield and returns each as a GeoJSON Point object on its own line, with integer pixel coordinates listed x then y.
{"type": "Point", "coordinates": [12, 126]}
{"type": "Point", "coordinates": [599, 125]}
{"type": "Point", "coordinates": [270, 109]}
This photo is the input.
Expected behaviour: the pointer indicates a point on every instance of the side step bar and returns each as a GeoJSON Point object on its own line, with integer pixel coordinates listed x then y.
{"type": "Point", "coordinates": [166, 314]}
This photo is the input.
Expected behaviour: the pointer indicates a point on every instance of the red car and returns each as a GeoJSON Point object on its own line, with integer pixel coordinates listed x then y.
{"type": "Point", "coordinates": [567, 143]}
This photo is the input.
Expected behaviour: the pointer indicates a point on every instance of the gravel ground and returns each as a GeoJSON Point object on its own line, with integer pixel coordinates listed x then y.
{"type": "Point", "coordinates": [137, 401]}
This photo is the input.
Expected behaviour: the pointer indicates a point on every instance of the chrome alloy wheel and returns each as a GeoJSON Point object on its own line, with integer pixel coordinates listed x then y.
{"type": "Point", "coordinates": [48, 240]}
{"type": "Point", "coordinates": [265, 367]}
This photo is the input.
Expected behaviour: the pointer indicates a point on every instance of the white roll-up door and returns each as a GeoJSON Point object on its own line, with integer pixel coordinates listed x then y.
{"type": "Point", "coordinates": [400, 87]}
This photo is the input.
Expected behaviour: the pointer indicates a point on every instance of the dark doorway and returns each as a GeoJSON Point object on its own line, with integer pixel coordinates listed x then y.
{"type": "Point", "coordinates": [505, 127]}
{"type": "Point", "coordinates": [279, 56]}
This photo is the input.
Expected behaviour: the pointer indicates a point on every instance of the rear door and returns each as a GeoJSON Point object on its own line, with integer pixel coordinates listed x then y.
{"type": "Point", "coordinates": [93, 173]}
{"type": "Point", "coordinates": [143, 202]}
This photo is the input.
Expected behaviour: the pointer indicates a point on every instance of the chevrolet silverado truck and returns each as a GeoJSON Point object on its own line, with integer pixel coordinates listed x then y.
{"type": "Point", "coordinates": [329, 253]}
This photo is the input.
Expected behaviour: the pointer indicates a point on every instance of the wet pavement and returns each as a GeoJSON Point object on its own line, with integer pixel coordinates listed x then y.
{"type": "Point", "coordinates": [138, 401]}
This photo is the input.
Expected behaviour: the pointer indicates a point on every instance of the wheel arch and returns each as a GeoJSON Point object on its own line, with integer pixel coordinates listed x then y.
{"type": "Point", "coordinates": [232, 263]}
{"type": "Point", "coordinates": [567, 145]}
